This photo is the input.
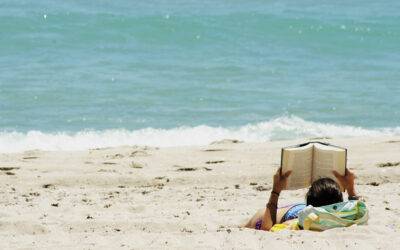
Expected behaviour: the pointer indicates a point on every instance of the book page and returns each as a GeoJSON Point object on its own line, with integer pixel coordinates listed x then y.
{"type": "Point", "coordinates": [299, 160]}
{"type": "Point", "coordinates": [326, 159]}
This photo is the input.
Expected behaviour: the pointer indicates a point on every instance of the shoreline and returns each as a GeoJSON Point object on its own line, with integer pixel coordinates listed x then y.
{"type": "Point", "coordinates": [142, 197]}
{"type": "Point", "coordinates": [286, 127]}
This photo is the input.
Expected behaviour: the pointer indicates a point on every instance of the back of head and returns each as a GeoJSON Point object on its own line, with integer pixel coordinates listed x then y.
{"type": "Point", "coordinates": [324, 191]}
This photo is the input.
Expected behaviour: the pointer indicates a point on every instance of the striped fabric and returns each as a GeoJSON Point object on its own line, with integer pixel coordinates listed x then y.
{"type": "Point", "coordinates": [341, 214]}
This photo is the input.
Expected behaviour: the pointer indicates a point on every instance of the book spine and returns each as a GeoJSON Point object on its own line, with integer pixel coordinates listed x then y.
{"type": "Point", "coordinates": [281, 160]}
{"type": "Point", "coordinates": [312, 165]}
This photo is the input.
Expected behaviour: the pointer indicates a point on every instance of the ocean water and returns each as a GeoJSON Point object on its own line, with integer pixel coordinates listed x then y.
{"type": "Point", "coordinates": [82, 74]}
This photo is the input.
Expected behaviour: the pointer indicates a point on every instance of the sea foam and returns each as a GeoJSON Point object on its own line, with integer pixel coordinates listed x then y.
{"type": "Point", "coordinates": [286, 127]}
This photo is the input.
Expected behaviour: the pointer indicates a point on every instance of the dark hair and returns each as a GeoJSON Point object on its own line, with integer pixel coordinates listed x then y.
{"type": "Point", "coordinates": [324, 191]}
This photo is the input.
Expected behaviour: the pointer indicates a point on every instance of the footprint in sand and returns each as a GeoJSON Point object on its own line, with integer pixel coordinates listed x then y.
{"type": "Point", "coordinates": [136, 165]}
{"type": "Point", "coordinates": [30, 157]}
{"type": "Point", "coordinates": [8, 168]}
{"type": "Point", "coordinates": [389, 164]}
{"type": "Point", "coordinates": [215, 162]}
{"type": "Point", "coordinates": [226, 141]}
{"type": "Point", "coordinates": [214, 150]}
{"type": "Point", "coordinates": [261, 188]}
{"type": "Point", "coordinates": [184, 169]}
{"type": "Point", "coordinates": [115, 156]}
{"type": "Point", "coordinates": [48, 186]}
{"type": "Point", "coordinates": [139, 153]}
{"type": "Point", "coordinates": [393, 141]}
{"type": "Point", "coordinates": [109, 163]}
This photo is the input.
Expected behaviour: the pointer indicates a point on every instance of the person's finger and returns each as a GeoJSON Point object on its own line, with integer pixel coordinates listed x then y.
{"type": "Point", "coordinates": [286, 175]}
{"type": "Point", "coordinates": [336, 174]}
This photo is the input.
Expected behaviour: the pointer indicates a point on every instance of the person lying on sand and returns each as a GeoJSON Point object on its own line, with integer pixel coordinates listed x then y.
{"type": "Point", "coordinates": [324, 191]}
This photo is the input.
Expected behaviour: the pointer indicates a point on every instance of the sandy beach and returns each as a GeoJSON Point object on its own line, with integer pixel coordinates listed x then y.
{"type": "Point", "coordinates": [181, 198]}
{"type": "Point", "coordinates": [160, 124]}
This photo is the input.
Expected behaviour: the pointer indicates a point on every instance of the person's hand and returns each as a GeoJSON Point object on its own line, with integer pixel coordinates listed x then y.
{"type": "Point", "coordinates": [346, 181]}
{"type": "Point", "coordinates": [280, 180]}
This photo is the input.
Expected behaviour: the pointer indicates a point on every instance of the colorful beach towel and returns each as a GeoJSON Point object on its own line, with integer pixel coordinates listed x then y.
{"type": "Point", "coordinates": [341, 214]}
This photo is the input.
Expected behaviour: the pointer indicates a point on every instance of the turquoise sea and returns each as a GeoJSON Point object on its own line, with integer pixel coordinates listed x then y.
{"type": "Point", "coordinates": [82, 74]}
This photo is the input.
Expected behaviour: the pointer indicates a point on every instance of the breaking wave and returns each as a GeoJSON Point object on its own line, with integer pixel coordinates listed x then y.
{"type": "Point", "coordinates": [286, 127]}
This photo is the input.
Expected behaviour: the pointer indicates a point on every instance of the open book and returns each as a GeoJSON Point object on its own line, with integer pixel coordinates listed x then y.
{"type": "Point", "coordinates": [311, 161]}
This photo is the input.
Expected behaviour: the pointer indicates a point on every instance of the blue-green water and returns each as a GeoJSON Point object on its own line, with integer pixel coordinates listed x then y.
{"type": "Point", "coordinates": [78, 74]}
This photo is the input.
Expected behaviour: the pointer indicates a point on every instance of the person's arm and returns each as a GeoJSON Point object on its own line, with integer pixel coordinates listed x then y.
{"type": "Point", "coordinates": [347, 182]}
{"type": "Point", "coordinates": [279, 183]}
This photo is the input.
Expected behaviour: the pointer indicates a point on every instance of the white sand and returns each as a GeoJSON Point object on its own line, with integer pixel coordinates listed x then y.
{"type": "Point", "coordinates": [136, 198]}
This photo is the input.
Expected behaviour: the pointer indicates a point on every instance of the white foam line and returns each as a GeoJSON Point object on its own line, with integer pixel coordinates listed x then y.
{"type": "Point", "coordinates": [291, 127]}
